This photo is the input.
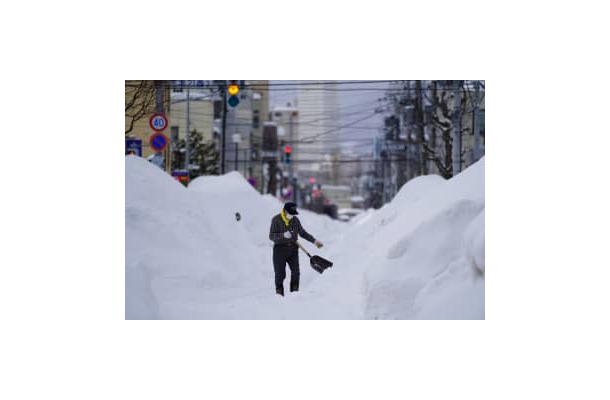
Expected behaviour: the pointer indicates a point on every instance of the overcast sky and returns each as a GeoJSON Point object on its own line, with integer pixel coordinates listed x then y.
{"type": "Point", "coordinates": [356, 102]}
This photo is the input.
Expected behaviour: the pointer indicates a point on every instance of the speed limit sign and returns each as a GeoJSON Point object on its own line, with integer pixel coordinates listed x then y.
{"type": "Point", "coordinates": [158, 122]}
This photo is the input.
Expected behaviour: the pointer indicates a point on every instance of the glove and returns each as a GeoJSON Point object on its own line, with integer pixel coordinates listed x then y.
{"type": "Point", "coordinates": [318, 244]}
{"type": "Point", "coordinates": [288, 235]}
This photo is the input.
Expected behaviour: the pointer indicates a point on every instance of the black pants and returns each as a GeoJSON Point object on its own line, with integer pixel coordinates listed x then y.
{"type": "Point", "coordinates": [283, 254]}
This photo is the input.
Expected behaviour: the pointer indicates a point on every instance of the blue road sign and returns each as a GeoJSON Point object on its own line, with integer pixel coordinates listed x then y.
{"type": "Point", "coordinates": [158, 141]}
{"type": "Point", "coordinates": [133, 146]}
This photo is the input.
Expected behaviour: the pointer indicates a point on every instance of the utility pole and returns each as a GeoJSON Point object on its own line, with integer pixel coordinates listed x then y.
{"type": "Point", "coordinates": [187, 160]}
{"type": "Point", "coordinates": [433, 141]}
{"type": "Point", "coordinates": [421, 137]}
{"type": "Point", "coordinates": [457, 128]}
{"type": "Point", "coordinates": [425, 103]}
{"type": "Point", "coordinates": [475, 124]}
{"type": "Point", "coordinates": [160, 109]}
{"type": "Point", "coordinates": [224, 129]}
{"type": "Point", "coordinates": [399, 155]}
{"type": "Point", "coordinates": [410, 142]}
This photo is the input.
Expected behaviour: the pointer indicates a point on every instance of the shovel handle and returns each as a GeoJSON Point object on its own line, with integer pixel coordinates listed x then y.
{"type": "Point", "coordinates": [303, 248]}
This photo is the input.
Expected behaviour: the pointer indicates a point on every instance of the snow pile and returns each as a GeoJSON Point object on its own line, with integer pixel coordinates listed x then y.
{"type": "Point", "coordinates": [176, 245]}
{"type": "Point", "coordinates": [425, 250]}
{"type": "Point", "coordinates": [186, 254]}
{"type": "Point", "coordinates": [422, 256]}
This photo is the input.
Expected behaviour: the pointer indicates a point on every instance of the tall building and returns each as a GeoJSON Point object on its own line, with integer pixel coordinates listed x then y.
{"type": "Point", "coordinates": [318, 135]}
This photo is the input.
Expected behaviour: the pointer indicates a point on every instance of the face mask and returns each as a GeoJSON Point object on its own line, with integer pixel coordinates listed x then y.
{"type": "Point", "coordinates": [288, 215]}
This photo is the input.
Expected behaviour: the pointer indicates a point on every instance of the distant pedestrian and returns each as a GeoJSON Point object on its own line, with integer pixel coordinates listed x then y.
{"type": "Point", "coordinates": [284, 232]}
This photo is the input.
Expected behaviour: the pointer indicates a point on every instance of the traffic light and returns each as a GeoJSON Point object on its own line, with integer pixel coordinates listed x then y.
{"type": "Point", "coordinates": [233, 90]}
{"type": "Point", "coordinates": [287, 154]}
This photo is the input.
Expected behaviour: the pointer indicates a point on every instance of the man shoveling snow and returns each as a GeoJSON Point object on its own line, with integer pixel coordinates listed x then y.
{"type": "Point", "coordinates": [284, 232]}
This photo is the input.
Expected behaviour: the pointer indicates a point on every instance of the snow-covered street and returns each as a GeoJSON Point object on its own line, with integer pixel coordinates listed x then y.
{"type": "Point", "coordinates": [420, 256]}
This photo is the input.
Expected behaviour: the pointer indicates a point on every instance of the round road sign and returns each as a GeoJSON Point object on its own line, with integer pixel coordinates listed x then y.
{"type": "Point", "coordinates": [158, 142]}
{"type": "Point", "coordinates": [158, 122]}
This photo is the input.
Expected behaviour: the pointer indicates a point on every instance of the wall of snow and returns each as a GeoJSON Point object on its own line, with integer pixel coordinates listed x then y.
{"type": "Point", "coordinates": [186, 254]}
{"type": "Point", "coordinates": [426, 250]}
{"type": "Point", "coordinates": [421, 256]}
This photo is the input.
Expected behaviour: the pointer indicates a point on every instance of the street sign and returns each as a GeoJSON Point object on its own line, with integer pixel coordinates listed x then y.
{"type": "Point", "coordinates": [195, 84]}
{"type": "Point", "coordinates": [182, 176]}
{"type": "Point", "coordinates": [158, 122]}
{"type": "Point", "coordinates": [270, 154]}
{"type": "Point", "coordinates": [133, 146]}
{"type": "Point", "coordinates": [158, 142]}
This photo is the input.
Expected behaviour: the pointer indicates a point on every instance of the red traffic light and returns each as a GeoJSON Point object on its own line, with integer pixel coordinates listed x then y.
{"type": "Point", "coordinates": [287, 149]}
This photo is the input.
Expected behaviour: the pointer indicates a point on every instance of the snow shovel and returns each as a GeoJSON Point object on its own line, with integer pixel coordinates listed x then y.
{"type": "Point", "coordinates": [318, 263]}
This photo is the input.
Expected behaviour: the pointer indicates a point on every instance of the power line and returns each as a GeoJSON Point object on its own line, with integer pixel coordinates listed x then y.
{"type": "Point", "coordinates": [328, 89]}
{"type": "Point", "coordinates": [366, 105]}
{"type": "Point", "coordinates": [294, 83]}
{"type": "Point", "coordinates": [336, 129]}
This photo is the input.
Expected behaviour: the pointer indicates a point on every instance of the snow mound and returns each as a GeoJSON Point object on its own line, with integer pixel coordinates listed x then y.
{"type": "Point", "coordinates": [426, 257]}
{"type": "Point", "coordinates": [186, 254]}
{"type": "Point", "coordinates": [175, 244]}
{"type": "Point", "coordinates": [232, 183]}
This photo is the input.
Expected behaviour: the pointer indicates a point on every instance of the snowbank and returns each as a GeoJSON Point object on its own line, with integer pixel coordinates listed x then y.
{"type": "Point", "coordinates": [421, 256]}
{"type": "Point", "coordinates": [186, 254]}
{"type": "Point", "coordinates": [426, 250]}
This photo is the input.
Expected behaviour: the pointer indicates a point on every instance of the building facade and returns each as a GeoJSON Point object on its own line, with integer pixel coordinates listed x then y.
{"type": "Point", "coordinates": [140, 104]}
{"type": "Point", "coordinates": [319, 116]}
{"type": "Point", "coordinates": [244, 131]}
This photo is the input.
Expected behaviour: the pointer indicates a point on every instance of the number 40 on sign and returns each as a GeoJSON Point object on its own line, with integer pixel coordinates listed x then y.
{"type": "Point", "coordinates": [158, 122]}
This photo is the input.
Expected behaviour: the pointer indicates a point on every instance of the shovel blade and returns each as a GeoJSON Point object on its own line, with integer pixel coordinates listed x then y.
{"type": "Point", "coordinates": [319, 264]}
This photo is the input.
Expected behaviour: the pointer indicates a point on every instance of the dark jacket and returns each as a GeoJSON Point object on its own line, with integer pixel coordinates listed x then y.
{"type": "Point", "coordinates": [278, 227]}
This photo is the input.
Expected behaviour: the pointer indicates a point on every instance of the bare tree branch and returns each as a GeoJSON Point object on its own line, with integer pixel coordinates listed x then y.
{"type": "Point", "coordinates": [140, 99]}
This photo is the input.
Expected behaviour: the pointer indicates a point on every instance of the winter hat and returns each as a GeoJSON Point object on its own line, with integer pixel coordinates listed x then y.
{"type": "Point", "coordinates": [291, 208]}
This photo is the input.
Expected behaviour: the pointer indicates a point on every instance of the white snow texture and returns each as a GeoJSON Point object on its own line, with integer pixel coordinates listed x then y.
{"type": "Point", "coordinates": [421, 256]}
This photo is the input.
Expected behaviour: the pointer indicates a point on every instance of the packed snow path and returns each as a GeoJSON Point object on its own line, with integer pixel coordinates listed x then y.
{"type": "Point", "coordinates": [187, 257]}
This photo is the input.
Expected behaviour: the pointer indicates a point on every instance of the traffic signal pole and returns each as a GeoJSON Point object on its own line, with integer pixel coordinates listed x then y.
{"type": "Point", "coordinates": [232, 88]}
{"type": "Point", "coordinates": [224, 128]}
